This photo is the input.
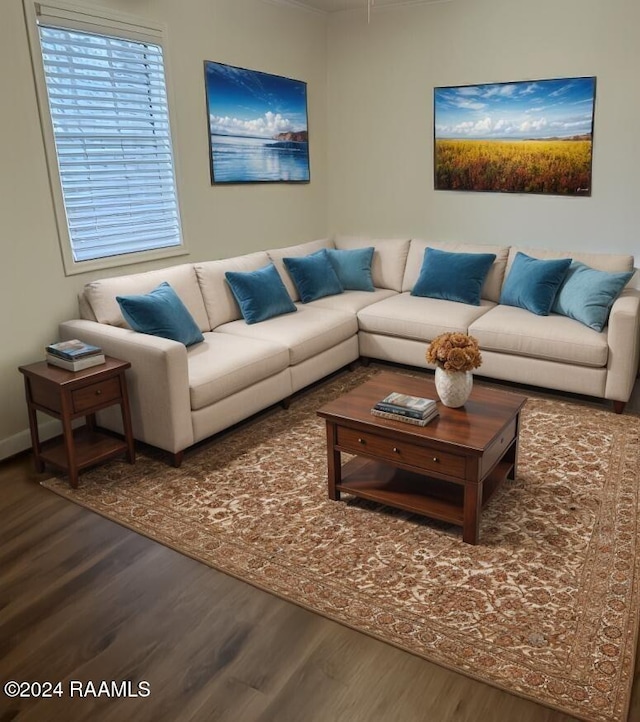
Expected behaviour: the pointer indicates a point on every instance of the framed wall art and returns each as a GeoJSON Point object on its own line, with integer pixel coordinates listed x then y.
{"type": "Point", "coordinates": [521, 137]}
{"type": "Point", "coordinates": [258, 128]}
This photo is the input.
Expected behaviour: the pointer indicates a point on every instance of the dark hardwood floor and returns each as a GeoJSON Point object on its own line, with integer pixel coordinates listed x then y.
{"type": "Point", "coordinates": [84, 599]}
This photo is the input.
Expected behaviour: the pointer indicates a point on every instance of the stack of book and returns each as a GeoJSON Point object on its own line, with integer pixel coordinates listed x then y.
{"type": "Point", "coordinates": [402, 407]}
{"type": "Point", "coordinates": [74, 355]}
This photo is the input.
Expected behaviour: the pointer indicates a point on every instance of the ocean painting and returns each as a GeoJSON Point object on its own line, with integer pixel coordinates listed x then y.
{"type": "Point", "coordinates": [522, 137]}
{"type": "Point", "coordinates": [257, 126]}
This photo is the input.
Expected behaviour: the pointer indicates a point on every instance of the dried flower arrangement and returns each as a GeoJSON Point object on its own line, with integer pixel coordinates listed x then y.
{"type": "Point", "coordinates": [454, 352]}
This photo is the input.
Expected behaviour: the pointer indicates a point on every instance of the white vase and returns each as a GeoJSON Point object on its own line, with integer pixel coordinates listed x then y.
{"type": "Point", "coordinates": [453, 387]}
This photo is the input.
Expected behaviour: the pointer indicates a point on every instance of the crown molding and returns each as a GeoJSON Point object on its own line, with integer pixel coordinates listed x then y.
{"type": "Point", "coordinates": [297, 6]}
{"type": "Point", "coordinates": [374, 8]}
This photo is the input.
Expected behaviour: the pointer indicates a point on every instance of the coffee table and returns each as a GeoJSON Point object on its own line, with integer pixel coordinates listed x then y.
{"type": "Point", "coordinates": [445, 470]}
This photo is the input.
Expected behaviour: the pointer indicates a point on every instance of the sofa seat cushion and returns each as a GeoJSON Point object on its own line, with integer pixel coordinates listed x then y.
{"type": "Point", "coordinates": [421, 319]}
{"type": "Point", "coordinates": [353, 301]}
{"type": "Point", "coordinates": [512, 330]}
{"type": "Point", "coordinates": [306, 333]}
{"type": "Point", "coordinates": [224, 364]}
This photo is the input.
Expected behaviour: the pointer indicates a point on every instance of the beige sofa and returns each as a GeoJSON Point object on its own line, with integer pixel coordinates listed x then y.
{"type": "Point", "coordinates": [181, 395]}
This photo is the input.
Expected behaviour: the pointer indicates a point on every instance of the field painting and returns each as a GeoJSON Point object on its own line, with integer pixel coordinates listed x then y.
{"type": "Point", "coordinates": [521, 137]}
{"type": "Point", "coordinates": [257, 126]}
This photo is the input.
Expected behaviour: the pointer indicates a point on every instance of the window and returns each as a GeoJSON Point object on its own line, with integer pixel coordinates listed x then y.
{"type": "Point", "coordinates": [105, 116]}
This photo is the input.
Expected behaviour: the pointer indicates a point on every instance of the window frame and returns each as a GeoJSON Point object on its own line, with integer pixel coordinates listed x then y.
{"type": "Point", "coordinates": [99, 21]}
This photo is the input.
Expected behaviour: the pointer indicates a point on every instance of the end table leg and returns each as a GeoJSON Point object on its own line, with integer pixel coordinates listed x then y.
{"type": "Point", "coordinates": [126, 420]}
{"type": "Point", "coordinates": [471, 512]}
{"type": "Point", "coordinates": [333, 463]}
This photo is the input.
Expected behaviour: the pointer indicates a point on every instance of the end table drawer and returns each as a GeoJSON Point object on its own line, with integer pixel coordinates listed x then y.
{"type": "Point", "coordinates": [381, 447]}
{"type": "Point", "coordinates": [96, 394]}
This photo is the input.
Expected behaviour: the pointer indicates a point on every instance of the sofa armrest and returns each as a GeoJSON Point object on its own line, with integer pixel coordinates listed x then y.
{"type": "Point", "coordinates": [158, 382]}
{"type": "Point", "coordinates": [624, 345]}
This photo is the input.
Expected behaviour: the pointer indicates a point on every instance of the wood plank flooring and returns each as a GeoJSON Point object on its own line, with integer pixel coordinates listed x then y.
{"type": "Point", "coordinates": [82, 598]}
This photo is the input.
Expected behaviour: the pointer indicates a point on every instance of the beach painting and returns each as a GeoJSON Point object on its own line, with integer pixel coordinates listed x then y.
{"type": "Point", "coordinates": [521, 137]}
{"type": "Point", "coordinates": [257, 126]}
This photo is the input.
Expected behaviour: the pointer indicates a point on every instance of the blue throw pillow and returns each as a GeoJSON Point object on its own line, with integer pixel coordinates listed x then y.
{"type": "Point", "coordinates": [533, 283]}
{"type": "Point", "coordinates": [313, 275]}
{"type": "Point", "coordinates": [353, 268]}
{"type": "Point", "coordinates": [587, 295]}
{"type": "Point", "coordinates": [161, 313]}
{"type": "Point", "coordinates": [453, 276]}
{"type": "Point", "coordinates": [260, 294]}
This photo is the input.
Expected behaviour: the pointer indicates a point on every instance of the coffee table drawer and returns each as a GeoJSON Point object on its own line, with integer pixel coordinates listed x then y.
{"type": "Point", "coordinates": [420, 457]}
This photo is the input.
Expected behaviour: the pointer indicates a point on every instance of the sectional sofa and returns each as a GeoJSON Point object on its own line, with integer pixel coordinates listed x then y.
{"type": "Point", "coordinates": [181, 395]}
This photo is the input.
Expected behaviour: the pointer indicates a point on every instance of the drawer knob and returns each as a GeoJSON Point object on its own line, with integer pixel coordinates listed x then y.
{"type": "Point", "coordinates": [436, 460]}
{"type": "Point", "coordinates": [98, 392]}
{"type": "Point", "coordinates": [396, 450]}
{"type": "Point", "coordinates": [361, 441]}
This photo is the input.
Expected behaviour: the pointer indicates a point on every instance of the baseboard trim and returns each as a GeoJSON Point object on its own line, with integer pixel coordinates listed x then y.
{"type": "Point", "coordinates": [21, 441]}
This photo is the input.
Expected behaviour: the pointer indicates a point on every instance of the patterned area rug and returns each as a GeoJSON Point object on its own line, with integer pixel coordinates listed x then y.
{"type": "Point", "coordinates": [546, 606]}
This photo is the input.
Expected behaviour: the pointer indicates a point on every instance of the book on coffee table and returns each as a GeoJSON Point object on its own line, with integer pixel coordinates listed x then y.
{"type": "Point", "coordinates": [406, 419]}
{"type": "Point", "coordinates": [415, 407]}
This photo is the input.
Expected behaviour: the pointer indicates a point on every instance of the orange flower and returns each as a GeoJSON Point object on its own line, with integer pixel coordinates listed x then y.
{"type": "Point", "coordinates": [454, 352]}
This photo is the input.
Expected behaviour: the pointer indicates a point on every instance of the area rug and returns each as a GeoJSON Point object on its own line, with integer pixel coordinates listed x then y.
{"type": "Point", "coordinates": [546, 606]}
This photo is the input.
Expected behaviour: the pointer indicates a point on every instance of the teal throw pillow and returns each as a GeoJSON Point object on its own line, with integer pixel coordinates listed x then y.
{"type": "Point", "coordinates": [587, 295]}
{"type": "Point", "coordinates": [453, 276]}
{"type": "Point", "coordinates": [353, 267]}
{"type": "Point", "coordinates": [532, 283]}
{"type": "Point", "coordinates": [260, 294]}
{"type": "Point", "coordinates": [160, 313]}
{"type": "Point", "coordinates": [313, 276]}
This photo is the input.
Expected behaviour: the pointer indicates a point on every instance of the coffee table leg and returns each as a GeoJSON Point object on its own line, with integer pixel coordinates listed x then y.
{"type": "Point", "coordinates": [471, 512]}
{"type": "Point", "coordinates": [333, 463]}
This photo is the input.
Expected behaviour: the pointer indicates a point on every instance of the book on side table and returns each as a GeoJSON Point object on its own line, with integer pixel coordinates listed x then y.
{"type": "Point", "coordinates": [74, 355]}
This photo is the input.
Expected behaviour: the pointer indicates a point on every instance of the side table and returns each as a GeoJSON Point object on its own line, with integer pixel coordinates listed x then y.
{"type": "Point", "coordinates": [68, 395]}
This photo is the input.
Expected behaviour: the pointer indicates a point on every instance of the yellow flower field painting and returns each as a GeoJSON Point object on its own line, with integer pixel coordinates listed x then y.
{"type": "Point", "coordinates": [522, 137]}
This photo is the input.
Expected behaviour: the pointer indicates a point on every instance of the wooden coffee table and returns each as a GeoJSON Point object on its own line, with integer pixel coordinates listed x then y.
{"type": "Point", "coordinates": [445, 470]}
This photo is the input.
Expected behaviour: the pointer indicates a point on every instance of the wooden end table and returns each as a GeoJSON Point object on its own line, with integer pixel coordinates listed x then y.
{"type": "Point", "coordinates": [68, 395]}
{"type": "Point", "coordinates": [445, 470]}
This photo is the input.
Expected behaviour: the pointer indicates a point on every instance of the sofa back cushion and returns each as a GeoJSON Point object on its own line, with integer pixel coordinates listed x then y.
{"type": "Point", "coordinates": [611, 262]}
{"type": "Point", "coordinates": [492, 283]}
{"type": "Point", "coordinates": [220, 303]}
{"type": "Point", "coordinates": [302, 249]}
{"type": "Point", "coordinates": [389, 258]}
{"type": "Point", "coordinates": [101, 294]}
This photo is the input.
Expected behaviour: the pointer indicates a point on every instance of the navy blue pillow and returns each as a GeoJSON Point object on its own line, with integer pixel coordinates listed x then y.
{"type": "Point", "coordinates": [533, 283]}
{"type": "Point", "coordinates": [353, 267]}
{"type": "Point", "coordinates": [453, 276]}
{"type": "Point", "coordinates": [160, 313]}
{"type": "Point", "coordinates": [260, 294]}
{"type": "Point", "coordinates": [313, 276]}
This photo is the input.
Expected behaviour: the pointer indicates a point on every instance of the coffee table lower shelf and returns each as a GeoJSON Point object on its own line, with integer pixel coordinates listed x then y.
{"type": "Point", "coordinates": [413, 492]}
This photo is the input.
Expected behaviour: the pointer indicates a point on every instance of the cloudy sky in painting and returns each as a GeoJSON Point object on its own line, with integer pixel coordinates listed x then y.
{"type": "Point", "coordinates": [535, 109]}
{"type": "Point", "coordinates": [251, 103]}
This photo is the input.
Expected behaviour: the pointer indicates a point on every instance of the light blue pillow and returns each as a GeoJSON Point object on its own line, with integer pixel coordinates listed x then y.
{"type": "Point", "coordinates": [160, 313]}
{"type": "Point", "coordinates": [313, 276]}
{"type": "Point", "coordinates": [453, 276]}
{"type": "Point", "coordinates": [532, 283]}
{"type": "Point", "coordinates": [587, 295]}
{"type": "Point", "coordinates": [353, 267]}
{"type": "Point", "coordinates": [260, 294]}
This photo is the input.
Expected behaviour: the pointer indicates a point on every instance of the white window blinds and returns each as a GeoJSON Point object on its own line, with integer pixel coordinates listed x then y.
{"type": "Point", "coordinates": [108, 104]}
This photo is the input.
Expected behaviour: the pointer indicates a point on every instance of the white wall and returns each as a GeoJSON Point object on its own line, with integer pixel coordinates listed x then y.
{"type": "Point", "coordinates": [217, 221]}
{"type": "Point", "coordinates": [380, 127]}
